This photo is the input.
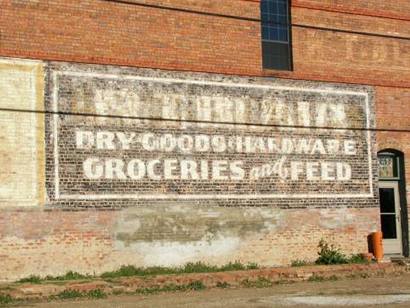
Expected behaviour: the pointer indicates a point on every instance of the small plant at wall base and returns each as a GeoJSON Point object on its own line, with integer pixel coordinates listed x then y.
{"type": "Point", "coordinates": [329, 254]}
{"type": "Point", "coordinates": [359, 259]}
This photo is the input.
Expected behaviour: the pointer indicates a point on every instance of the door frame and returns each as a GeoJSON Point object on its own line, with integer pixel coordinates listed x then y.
{"type": "Point", "coordinates": [397, 209]}
{"type": "Point", "coordinates": [401, 180]}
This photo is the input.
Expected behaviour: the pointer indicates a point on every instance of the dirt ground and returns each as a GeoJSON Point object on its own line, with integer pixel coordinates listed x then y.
{"type": "Point", "coordinates": [390, 291]}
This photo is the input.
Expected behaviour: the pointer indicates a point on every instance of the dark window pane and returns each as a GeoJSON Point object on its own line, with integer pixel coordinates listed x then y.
{"type": "Point", "coordinates": [387, 200]}
{"type": "Point", "coordinates": [274, 35]}
{"type": "Point", "coordinates": [282, 7]}
{"type": "Point", "coordinates": [264, 6]}
{"type": "Point", "coordinates": [276, 55]}
{"type": "Point", "coordinates": [389, 226]}
{"type": "Point", "coordinates": [283, 34]}
{"type": "Point", "coordinates": [283, 19]}
{"type": "Point", "coordinates": [265, 18]}
{"type": "Point", "coordinates": [265, 33]}
{"type": "Point", "coordinates": [274, 14]}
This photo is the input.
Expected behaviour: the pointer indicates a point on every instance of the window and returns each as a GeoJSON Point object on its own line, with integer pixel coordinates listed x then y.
{"type": "Point", "coordinates": [276, 36]}
{"type": "Point", "coordinates": [389, 165]}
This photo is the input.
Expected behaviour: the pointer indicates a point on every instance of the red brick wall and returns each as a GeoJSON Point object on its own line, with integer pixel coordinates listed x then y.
{"type": "Point", "coordinates": [96, 31]}
{"type": "Point", "coordinates": [391, 9]}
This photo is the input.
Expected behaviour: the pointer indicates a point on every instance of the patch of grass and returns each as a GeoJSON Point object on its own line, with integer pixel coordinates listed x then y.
{"type": "Point", "coordinates": [222, 285]}
{"type": "Point", "coordinates": [71, 294]}
{"type": "Point", "coordinates": [297, 262]}
{"type": "Point", "coordinates": [67, 294]}
{"type": "Point", "coordinates": [31, 279]}
{"type": "Point", "coordinates": [96, 294]}
{"type": "Point", "coordinates": [5, 299]}
{"type": "Point", "coordinates": [197, 267]}
{"type": "Point", "coordinates": [150, 290]}
{"type": "Point", "coordinates": [364, 275]}
{"type": "Point", "coordinates": [68, 276]}
{"type": "Point", "coordinates": [130, 270]}
{"type": "Point", "coordinates": [117, 292]}
{"type": "Point", "coordinates": [195, 286]}
{"type": "Point", "coordinates": [358, 259]}
{"type": "Point", "coordinates": [318, 278]}
{"type": "Point", "coordinates": [123, 271]}
{"type": "Point", "coordinates": [252, 265]}
{"type": "Point", "coordinates": [261, 282]}
{"type": "Point", "coordinates": [232, 266]}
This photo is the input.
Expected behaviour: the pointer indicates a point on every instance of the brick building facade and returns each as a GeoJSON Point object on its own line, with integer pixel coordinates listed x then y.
{"type": "Point", "coordinates": [149, 133]}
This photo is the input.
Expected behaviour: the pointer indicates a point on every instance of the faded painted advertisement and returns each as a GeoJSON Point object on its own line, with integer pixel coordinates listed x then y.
{"type": "Point", "coordinates": [153, 136]}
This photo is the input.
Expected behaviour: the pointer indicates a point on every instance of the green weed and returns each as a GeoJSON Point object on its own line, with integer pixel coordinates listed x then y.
{"type": "Point", "coordinates": [96, 294]}
{"type": "Point", "coordinates": [222, 285]}
{"type": "Point", "coordinates": [252, 265]}
{"type": "Point", "coordinates": [5, 299]}
{"type": "Point", "coordinates": [233, 266]}
{"type": "Point", "coordinates": [261, 282]}
{"type": "Point", "coordinates": [297, 262]}
{"type": "Point", "coordinates": [197, 267]}
{"type": "Point", "coordinates": [329, 254]}
{"type": "Point", "coordinates": [67, 294]}
{"type": "Point", "coordinates": [31, 279]}
{"type": "Point", "coordinates": [318, 278]}
{"type": "Point", "coordinates": [195, 286]}
{"type": "Point", "coordinates": [70, 294]}
{"type": "Point", "coordinates": [68, 276]}
{"type": "Point", "coordinates": [358, 259]}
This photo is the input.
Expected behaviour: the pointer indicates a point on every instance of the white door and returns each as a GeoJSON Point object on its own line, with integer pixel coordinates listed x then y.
{"type": "Point", "coordinates": [390, 217]}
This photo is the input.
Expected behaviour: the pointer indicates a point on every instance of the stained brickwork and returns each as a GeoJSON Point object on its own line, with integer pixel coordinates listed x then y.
{"type": "Point", "coordinates": [55, 242]}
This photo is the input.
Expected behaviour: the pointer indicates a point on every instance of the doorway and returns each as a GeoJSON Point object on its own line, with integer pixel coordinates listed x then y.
{"type": "Point", "coordinates": [390, 217]}
{"type": "Point", "coordinates": [393, 209]}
